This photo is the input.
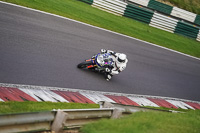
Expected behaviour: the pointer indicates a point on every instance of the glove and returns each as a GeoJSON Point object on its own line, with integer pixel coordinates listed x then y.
{"type": "Point", "coordinates": [111, 52]}
{"type": "Point", "coordinates": [103, 51]}
{"type": "Point", "coordinates": [93, 56]}
{"type": "Point", "coordinates": [107, 70]}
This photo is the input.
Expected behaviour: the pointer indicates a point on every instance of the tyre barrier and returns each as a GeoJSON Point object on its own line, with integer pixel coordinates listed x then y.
{"type": "Point", "coordinates": [154, 13]}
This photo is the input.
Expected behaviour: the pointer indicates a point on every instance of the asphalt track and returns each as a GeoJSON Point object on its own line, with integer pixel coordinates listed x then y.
{"type": "Point", "coordinates": [40, 49]}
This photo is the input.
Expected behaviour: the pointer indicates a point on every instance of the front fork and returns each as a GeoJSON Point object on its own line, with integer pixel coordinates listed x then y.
{"type": "Point", "coordinates": [93, 65]}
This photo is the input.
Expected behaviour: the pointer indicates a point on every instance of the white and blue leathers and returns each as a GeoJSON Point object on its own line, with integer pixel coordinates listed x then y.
{"type": "Point", "coordinates": [120, 62]}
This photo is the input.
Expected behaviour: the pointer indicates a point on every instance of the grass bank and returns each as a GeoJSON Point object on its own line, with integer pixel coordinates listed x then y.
{"type": "Point", "coordinates": [148, 122]}
{"type": "Point", "coordinates": [29, 106]}
{"type": "Point", "coordinates": [189, 5]}
{"type": "Point", "coordinates": [83, 12]}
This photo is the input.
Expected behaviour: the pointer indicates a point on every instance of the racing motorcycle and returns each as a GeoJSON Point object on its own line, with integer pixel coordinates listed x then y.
{"type": "Point", "coordinates": [99, 63]}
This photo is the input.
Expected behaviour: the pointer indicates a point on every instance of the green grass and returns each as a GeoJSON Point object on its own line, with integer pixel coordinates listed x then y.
{"type": "Point", "coordinates": [167, 109]}
{"type": "Point", "coordinates": [29, 106]}
{"type": "Point", "coordinates": [140, 122]}
{"type": "Point", "coordinates": [83, 12]}
{"type": "Point", "coordinates": [189, 5]}
{"type": "Point", "coordinates": [148, 122]}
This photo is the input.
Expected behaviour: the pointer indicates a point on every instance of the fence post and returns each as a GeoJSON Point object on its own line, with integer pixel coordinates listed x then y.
{"type": "Point", "coordinates": [59, 121]}
{"type": "Point", "coordinates": [116, 114]}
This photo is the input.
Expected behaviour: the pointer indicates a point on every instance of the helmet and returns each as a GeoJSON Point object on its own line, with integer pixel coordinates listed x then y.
{"type": "Point", "coordinates": [121, 58]}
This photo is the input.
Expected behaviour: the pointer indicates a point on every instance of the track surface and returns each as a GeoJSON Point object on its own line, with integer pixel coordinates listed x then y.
{"type": "Point", "coordinates": [39, 49]}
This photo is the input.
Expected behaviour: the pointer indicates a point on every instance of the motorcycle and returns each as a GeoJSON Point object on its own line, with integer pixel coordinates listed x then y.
{"type": "Point", "coordinates": [100, 63]}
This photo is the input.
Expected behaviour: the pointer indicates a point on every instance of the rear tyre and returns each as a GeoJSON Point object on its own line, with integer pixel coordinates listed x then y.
{"type": "Point", "coordinates": [84, 64]}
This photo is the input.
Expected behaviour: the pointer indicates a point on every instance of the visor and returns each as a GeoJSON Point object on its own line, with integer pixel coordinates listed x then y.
{"type": "Point", "coordinates": [120, 60]}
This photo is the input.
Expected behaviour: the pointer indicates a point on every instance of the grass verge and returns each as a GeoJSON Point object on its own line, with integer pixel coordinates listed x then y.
{"type": "Point", "coordinates": [189, 5]}
{"type": "Point", "coordinates": [167, 109]}
{"type": "Point", "coordinates": [148, 122]}
{"type": "Point", "coordinates": [29, 106]}
{"type": "Point", "coordinates": [83, 12]}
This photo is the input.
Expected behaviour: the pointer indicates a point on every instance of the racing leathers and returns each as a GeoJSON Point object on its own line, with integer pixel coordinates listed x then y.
{"type": "Point", "coordinates": [120, 60]}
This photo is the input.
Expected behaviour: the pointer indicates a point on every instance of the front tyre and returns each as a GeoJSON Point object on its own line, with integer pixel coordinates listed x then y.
{"type": "Point", "coordinates": [84, 64]}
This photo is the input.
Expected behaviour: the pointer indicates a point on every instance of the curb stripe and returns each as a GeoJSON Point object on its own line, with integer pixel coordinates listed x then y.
{"type": "Point", "coordinates": [194, 105]}
{"type": "Point", "coordinates": [143, 101]}
{"type": "Point", "coordinates": [14, 94]}
{"type": "Point", "coordinates": [1, 100]}
{"type": "Point", "coordinates": [122, 100]}
{"type": "Point", "coordinates": [91, 92]}
{"type": "Point", "coordinates": [96, 97]}
{"type": "Point", "coordinates": [162, 103]}
{"type": "Point", "coordinates": [180, 104]}
{"type": "Point", "coordinates": [27, 92]}
{"type": "Point", "coordinates": [73, 97]}
{"type": "Point", "coordinates": [44, 95]}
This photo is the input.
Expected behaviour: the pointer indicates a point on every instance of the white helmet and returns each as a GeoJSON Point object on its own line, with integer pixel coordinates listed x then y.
{"type": "Point", "coordinates": [121, 58]}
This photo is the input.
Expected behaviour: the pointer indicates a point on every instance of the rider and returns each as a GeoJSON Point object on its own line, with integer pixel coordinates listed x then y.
{"type": "Point", "coordinates": [120, 61]}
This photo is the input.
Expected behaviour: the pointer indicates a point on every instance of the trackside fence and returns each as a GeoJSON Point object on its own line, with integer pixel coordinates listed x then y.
{"type": "Point", "coordinates": [87, 1]}
{"type": "Point", "coordinates": [66, 119]}
{"type": "Point", "coordinates": [140, 2]}
{"type": "Point", "coordinates": [138, 13]}
{"type": "Point", "coordinates": [198, 37]}
{"type": "Point", "coordinates": [163, 22]}
{"type": "Point", "coordinates": [113, 6]}
{"type": "Point", "coordinates": [169, 10]}
{"type": "Point", "coordinates": [154, 13]}
{"type": "Point", "coordinates": [197, 20]}
{"type": "Point", "coordinates": [158, 6]}
{"type": "Point", "coordinates": [52, 120]}
{"type": "Point", "coordinates": [186, 30]}
{"type": "Point", "coordinates": [38, 121]}
{"type": "Point", "coordinates": [180, 13]}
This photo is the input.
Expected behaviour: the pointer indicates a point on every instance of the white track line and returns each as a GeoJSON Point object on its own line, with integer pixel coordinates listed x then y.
{"type": "Point", "coordinates": [98, 28]}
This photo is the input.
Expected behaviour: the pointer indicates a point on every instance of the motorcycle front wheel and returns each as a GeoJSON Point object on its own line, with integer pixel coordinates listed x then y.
{"type": "Point", "coordinates": [84, 64]}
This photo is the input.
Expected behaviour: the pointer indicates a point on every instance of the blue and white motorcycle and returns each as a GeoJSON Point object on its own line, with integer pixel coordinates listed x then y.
{"type": "Point", "coordinates": [100, 62]}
